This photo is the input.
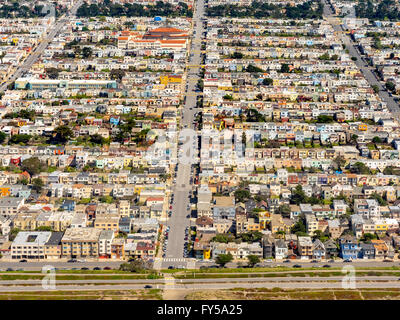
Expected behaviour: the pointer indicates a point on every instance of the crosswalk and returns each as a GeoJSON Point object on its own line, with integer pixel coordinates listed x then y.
{"type": "Point", "coordinates": [174, 260]}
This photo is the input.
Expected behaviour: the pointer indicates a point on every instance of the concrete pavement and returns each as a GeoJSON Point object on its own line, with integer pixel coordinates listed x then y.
{"type": "Point", "coordinates": [38, 51]}
{"type": "Point", "coordinates": [371, 77]}
{"type": "Point", "coordinates": [179, 220]}
{"type": "Point", "coordinates": [38, 265]}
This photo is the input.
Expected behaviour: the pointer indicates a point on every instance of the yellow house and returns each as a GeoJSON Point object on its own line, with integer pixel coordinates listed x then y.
{"type": "Point", "coordinates": [264, 218]}
{"type": "Point", "coordinates": [5, 191]}
{"type": "Point", "coordinates": [362, 127]}
{"type": "Point", "coordinates": [166, 79]}
{"type": "Point", "coordinates": [381, 226]}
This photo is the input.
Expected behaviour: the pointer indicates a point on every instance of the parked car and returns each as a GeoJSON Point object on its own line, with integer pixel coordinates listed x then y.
{"type": "Point", "coordinates": [72, 260]}
{"type": "Point", "coordinates": [326, 266]}
{"type": "Point", "coordinates": [297, 266]}
{"type": "Point", "coordinates": [347, 260]}
{"type": "Point", "coordinates": [84, 268]}
{"type": "Point", "coordinates": [23, 260]}
{"type": "Point", "coordinates": [170, 267]}
{"type": "Point", "coordinates": [147, 286]}
{"type": "Point", "coordinates": [96, 268]}
{"type": "Point", "coordinates": [106, 268]}
{"type": "Point", "coordinates": [10, 269]}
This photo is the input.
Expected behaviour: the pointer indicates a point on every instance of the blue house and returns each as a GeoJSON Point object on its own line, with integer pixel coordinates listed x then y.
{"type": "Point", "coordinates": [367, 251]}
{"type": "Point", "coordinates": [68, 205]}
{"type": "Point", "coordinates": [125, 224]}
{"type": "Point", "coordinates": [114, 120]}
{"type": "Point", "coordinates": [349, 248]}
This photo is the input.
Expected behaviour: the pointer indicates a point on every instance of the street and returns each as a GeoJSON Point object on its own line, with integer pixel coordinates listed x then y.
{"type": "Point", "coordinates": [183, 187]}
{"type": "Point", "coordinates": [38, 51]}
{"type": "Point", "coordinates": [391, 104]}
{"type": "Point", "coordinates": [38, 265]}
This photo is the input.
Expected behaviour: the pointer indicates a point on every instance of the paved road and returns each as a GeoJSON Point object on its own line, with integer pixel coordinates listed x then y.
{"type": "Point", "coordinates": [180, 218]}
{"type": "Point", "coordinates": [38, 51]}
{"type": "Point", "coordinates": [195, 282]}
{"type": "Point", "coordinates": [32, 266]}
{"type": "Point", "coordinates": [206, 286]}
{"type": "Point", "coordinates": [371, 77]}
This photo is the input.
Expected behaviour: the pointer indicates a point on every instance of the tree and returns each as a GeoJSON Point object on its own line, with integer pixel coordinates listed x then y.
{"type": "Point", "coordinates": [106, 199]}
{"type": "Point", "coordinates": [37, 184]}
{"type": "Point", "coordinates": [223, 259]}
{"type": "Point", "coordinates": [285, 68]}
{"type": "Point", "coordinates": [63, 133]}
{"type": "Point", "coordinates": [376, 140]}
{"type": "Point", "coordinates": [390, 86]}
{"type": "Point", "coordinates": [339, 162]}
{"type": "Point", "coordinates": [87, 52]}
{"type": "Point", "coordinates": [376, 88]}
{"type": "Point", "coordinates": [378, 198]}
{"type": "Point", "coordinates": [298, 195]}
{"type": "Point", "coordinates": [2, 136]}
{"type": "Point", "coordinates": [367, 237]}
{"type": "Point", "coordinates": [354, 58]}
{"type": "Point", "coordinates": [135, 265]}
{"type": "Point", "coordinates": [237, 55]}
{"type": "Point", "coordinates": [97, 139]}
{"type": "Point", "coordinates": [252, 68]}
{"type": "Point", "coordinates": [267, 81]}
{"type": "Point", "coordinates": [354, 138]}
{"type": "Point", "coordinates": [324, 118]}
{"type": "Point", "coordinates": [242, 195]}
{"type": "Point", "coordinates": [223, 238]}
{"type": "Point", "coordinates": [283, 210]}
{"type": "Point", "coordinates": [13, 233]}
{"type": "Point", "coordinates": [32, 165]}
{"type": "Point", "coordinates": [359, 168]}
{"type": "Point", "coordinates": [299, 226]}
{"type": "Point", "coordinates": [20, 138]}
{"type": "Point", "coordinates": [251, 236]}
{"type": "Point", "coordinates": [117, 74]}
{"type": "Point", "coordinates": [253, 260]}
{"type": "Point", "coordinates": [52, 73]}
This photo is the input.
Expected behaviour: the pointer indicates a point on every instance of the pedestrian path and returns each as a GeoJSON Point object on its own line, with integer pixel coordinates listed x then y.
{"type": "Point", "coordinates": [174, 260]}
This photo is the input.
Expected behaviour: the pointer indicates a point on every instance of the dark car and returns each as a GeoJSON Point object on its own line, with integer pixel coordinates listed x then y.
{"type": "Point", "coordinates": [297, 266]}
{"type": "Point", "coordinates": [286, 261]}
{"type": "Point", "coordinates": [326, 266]}
{"type": "Point", "coordinates": [84, 268]}
{"type": "Point", "coordinates": [23, 260]}
{"type": "Point", "coordinates": [10, 269]}
{"type": "Point", "coordinates": [347, 260]}
{"type": "Point", "coordinates": [147, 286]}
{"type": "Point", "coordinates": [96, 268]}
{"type": "Point", "coordinates": [170, 267]}
{"type": "Point", "coordinates": [72, 260]}
{"type": "Point", "coordinates": [106, 268]}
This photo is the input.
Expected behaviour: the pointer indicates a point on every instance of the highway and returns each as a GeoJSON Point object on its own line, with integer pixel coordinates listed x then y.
{"type": "Point", "coordinates": [210, 284]}
{"type": "Point", "coordinates": [370, 76]}
{"type": "Point", "coordinates": [180, 218]}
{"type": "Point", "coordinates": [38, 51]}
